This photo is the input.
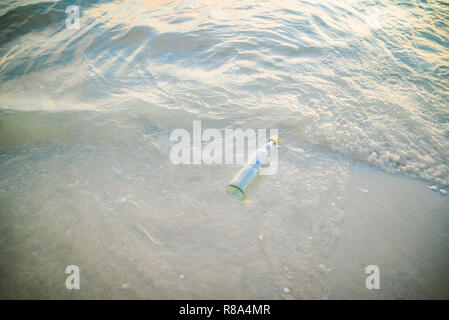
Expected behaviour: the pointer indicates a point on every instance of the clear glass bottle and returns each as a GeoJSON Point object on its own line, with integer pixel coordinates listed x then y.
{"type": "Point", "coordinates": [238, 185]}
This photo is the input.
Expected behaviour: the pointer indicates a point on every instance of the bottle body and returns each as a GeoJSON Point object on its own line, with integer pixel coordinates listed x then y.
{"type": "Point", "coordinates": [238, 185]}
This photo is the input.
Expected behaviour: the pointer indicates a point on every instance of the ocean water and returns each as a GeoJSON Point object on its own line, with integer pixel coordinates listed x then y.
{"type": "Point", "coordinates": [358, 90]}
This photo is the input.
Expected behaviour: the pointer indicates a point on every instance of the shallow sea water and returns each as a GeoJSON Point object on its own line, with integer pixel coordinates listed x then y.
{"type": "Point", "coordinates": [358, 91]}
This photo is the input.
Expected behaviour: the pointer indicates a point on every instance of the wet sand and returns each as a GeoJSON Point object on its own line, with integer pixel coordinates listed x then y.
{"type": "Point", "coordinates": [401, 226]}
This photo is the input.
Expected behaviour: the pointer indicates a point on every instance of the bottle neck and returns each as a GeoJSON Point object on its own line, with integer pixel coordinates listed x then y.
{"type": "Point", "coordinates": [270, 144]}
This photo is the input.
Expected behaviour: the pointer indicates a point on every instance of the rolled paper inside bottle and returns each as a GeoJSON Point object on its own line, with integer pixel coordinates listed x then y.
{"type": "Point", "coordinates": [237, 186]}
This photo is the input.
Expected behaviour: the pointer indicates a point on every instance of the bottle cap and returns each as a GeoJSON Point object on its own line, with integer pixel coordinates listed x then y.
{"type": "Point", "coordinates": [275, 138]}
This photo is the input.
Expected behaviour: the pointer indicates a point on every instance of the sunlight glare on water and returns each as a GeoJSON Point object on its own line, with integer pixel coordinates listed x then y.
{"type": "Point", "coordinates": [86, 117]}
